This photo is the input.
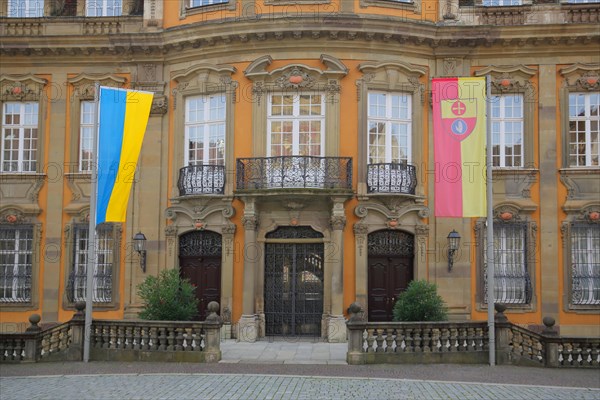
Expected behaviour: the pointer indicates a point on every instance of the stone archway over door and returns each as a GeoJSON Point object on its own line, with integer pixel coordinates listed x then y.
{"type": "Point", "coordinates": [390, 270]}
{"type": "Point", "coordinates": [200, 262]}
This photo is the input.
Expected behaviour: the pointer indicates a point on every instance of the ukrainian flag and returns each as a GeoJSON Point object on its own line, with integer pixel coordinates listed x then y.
{"type": "Point", "coordinates": [123, 116]}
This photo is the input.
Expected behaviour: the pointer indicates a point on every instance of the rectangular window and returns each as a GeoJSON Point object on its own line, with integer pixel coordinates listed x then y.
{"type": "Point", "coordinates": [205, 130]}
{"type": "Point", "coordinates": [296, 125]}
{"type": "Point", "coordinates": [103, 270]}
{"type": "Point", "coordinates": [583, 1]}
{"type": "Point", "coordinates": [25, 8]}
{"type": "Point", "coordinates": [495, 3]}
{"type": "Point", "coordinates": [390, 130]}
{"type": "Point", "coordinates": [512, 283]}
{"type": "Point", "coordinates": [584, 129]}
{"type": "Point", "coordinates": [86, 135]}
{"type": "Point", "coordinates": [16, 256]}
{"type": "Point", "coordinates": [507, 130]}
{"type": "Point", "coordinates": [19, 137]}
{"type": "Point", "coordinates": [103, 8]}
{"type": "Point", "coordinates": [201, 3]}
{"type": "Point", "coordinates": [585, 264]}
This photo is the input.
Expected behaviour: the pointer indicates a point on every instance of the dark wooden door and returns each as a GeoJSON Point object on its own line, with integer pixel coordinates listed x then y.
{"type": "Point", "coordinates": [388, 277]}
{"type": "Point", "coordinates": [205, 274]}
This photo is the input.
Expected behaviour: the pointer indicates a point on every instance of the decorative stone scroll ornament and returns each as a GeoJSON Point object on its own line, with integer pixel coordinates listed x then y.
{"type": "Point", "coordinates": [511, 79]}
{"type": "Point", "coordinates": [583, 77]}
{"type": "Point", "coordinates": [21, 87]}
{"type": "Point", "coordinates": [296, 76]}
{"type": "Point", "coordinates": [361, 230]}
{"type": "Point", "coordinates": [84, 85]}
{"type": "Point", "coordinates": [204, 79]}
{"type": "Point", "coordinates": [13, 216]}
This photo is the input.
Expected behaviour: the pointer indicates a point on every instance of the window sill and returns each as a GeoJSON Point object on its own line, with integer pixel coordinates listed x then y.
{"type": "Point", "coordinates": [7, 306]}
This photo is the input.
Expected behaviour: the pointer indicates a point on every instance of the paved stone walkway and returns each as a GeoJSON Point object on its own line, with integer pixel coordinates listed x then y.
{"type": "Point", "coordinates": [284, 352]}
{"type": "Point", "coordinates": [236, 386]}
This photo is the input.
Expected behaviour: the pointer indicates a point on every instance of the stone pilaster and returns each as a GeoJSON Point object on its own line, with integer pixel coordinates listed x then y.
{"type": "Point", "coordinates": [336, 327]}
{"type": "Point", "coordinates": [248, 324]}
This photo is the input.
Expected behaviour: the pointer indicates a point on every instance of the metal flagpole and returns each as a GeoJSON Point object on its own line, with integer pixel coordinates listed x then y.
{"type": "Point", "coordinates": [91, 249]}
{"type": "Point", "coordinates": [490, 226]}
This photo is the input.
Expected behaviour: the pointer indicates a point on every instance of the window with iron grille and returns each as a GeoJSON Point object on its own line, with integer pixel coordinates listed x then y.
{"type": "Point", "coordinates": [585, 264]}
{"type": "Point", "coordinates": [507, 130]}
{"type": "Point", "coordinates": [494, 3]}
{"type": "Point", "coordinates": [19, 137]}
{"type": "Point", "coordinates": [584, 129]}
{"type": "Point", "coordinates": [512, 281]}
{"type": "Point", "coordinates": [16, 256]}
{"type": "Point", "coordinates": [103, 270]}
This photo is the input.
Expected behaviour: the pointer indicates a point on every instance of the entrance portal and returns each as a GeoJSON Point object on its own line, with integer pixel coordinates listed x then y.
{"type": "Point", "coordinates": [293, 292]}
{"type": "Point", "coordinates": [200, 262]}
{"type": "Point", "coordinates": [390, 271]}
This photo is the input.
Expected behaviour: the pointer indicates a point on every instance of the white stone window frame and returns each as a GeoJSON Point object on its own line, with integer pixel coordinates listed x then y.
{"type": "Point", "coordinates": [296, 118]}
{"type": "Point", "coordinates": [388, 120]}
{"type": "Point", "coordinates": [586, 216]}
{"type": "Point", "coordinates": [589, 154]}
{"type": "Point", "coordinates": [25, 88]}
{"type": "Point", "coordinates": [503, 121]}
{"type": "Point", "coordinates": [205, 125]}
{"type": "Point", "coordinates": [26, 148]}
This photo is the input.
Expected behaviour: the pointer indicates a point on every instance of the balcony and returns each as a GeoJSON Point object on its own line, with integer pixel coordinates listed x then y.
{"type": "Point", "coordinates": [201, 179]}
{"type": "Point", "coordinates": [294, 172]}
{"type": "Point", "coordinates": [391, 178]}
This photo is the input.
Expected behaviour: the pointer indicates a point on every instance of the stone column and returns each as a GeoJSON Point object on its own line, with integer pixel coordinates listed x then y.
{"type": "Point", "coordinates": [248, 324]}
{"type": "Point", "coordinates": [336, 329]}
{"type": "Point", "coordinates": [228, 231]}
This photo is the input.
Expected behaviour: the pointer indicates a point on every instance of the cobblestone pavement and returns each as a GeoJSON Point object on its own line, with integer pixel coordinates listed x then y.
{"type": "Point", "coordinates": [238, 386]}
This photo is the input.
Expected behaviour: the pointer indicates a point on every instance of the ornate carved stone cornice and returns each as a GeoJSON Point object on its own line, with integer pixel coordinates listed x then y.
{"type": "Point", "coordinates": [585, 77]}
{"type": "Point", "coordinates": [26, 87]}
{"type": "Point", "coordinates": [510, 79]}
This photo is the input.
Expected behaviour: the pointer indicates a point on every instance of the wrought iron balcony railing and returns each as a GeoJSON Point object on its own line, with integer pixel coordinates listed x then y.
{"type": "Point", "coordinates": [391, 178]}
{"type": "Point", "coordinates": [284, 172]}
{"type": "Point", "coordinates": [201, 179]}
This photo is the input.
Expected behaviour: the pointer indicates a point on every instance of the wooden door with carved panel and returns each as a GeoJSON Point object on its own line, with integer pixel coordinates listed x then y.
{"type": "Point", "coordinates": [390, 270]}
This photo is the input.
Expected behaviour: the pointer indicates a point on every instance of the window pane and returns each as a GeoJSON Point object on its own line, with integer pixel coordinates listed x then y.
{"type": "Point", "coordinates": [15, 263]}
{"type": "Point", "coordinates": [205, 130]}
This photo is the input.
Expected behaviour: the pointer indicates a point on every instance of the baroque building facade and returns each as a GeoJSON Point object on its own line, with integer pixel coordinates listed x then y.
{"type": "Point", "coordinates": [287, 168]}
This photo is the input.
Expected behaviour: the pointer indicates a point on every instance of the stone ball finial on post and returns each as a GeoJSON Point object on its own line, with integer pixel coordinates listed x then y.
{"type": "Point", "coordinates": [500, 308]}
{"type": "Point", "coordinates": [80, 311]}
{"type": "Point", "coordinates": [549, 329]}
{"type": "Point", "coordinates": [213, 308]}
{"type": "Point", "coordinates": [34, 320]}
{"type": "Point", "coordinates": [356, 312]}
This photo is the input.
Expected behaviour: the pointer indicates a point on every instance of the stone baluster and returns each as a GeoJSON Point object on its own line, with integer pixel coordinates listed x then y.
{"type": "Point", "coordinates": [435, 340]}
{"type": "Point", "coordinates": [179, 339]}
{"type": "Point", "coordinates": [379, 340]}
{"type": "Point", "coordinates": [409, 340]}
{"type": "Point", "coordinates": [356, 327]}
{"type": "Point", "coordinates": [153, 339]}
{"type": "Point", "coordinates": [453, 339]}
{"type": "Point", "coordinates": [389, 340]}
{"type": "Point", "coordinates": [162, 338]}
{"type": "Point", "coordinates": [445, 337]}
{"type": "Point", "coordinates": [417, 341]}
{"type": "Point", "coordinates": [426, 344]}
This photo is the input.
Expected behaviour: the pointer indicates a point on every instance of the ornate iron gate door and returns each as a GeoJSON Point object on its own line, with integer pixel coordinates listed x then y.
{"type": "Point", "coordinates": [293, 290]}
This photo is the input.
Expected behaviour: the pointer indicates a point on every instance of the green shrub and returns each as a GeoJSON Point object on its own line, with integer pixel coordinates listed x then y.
{"type": "Point", "coordinates": [420, 302]}
{"type": "Point", "coordinates": [168, 297]}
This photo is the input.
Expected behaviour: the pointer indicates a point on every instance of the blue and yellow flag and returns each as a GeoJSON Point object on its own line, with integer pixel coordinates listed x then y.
{"type": "Point", "coordinates": [123, 116]}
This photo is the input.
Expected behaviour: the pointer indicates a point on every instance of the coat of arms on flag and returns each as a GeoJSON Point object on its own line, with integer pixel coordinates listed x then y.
{"type": "Point", "coordinates": [459, 117]}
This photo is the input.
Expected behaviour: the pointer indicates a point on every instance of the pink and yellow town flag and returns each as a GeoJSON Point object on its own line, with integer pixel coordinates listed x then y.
{"type": "Point", "coordinates": [459, 132]}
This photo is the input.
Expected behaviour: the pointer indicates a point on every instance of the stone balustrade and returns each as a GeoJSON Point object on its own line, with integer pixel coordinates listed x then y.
{"type": "Point", "coordinates": [88, 26]}
{"type": "Point", "coordinates": [118, 340]}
